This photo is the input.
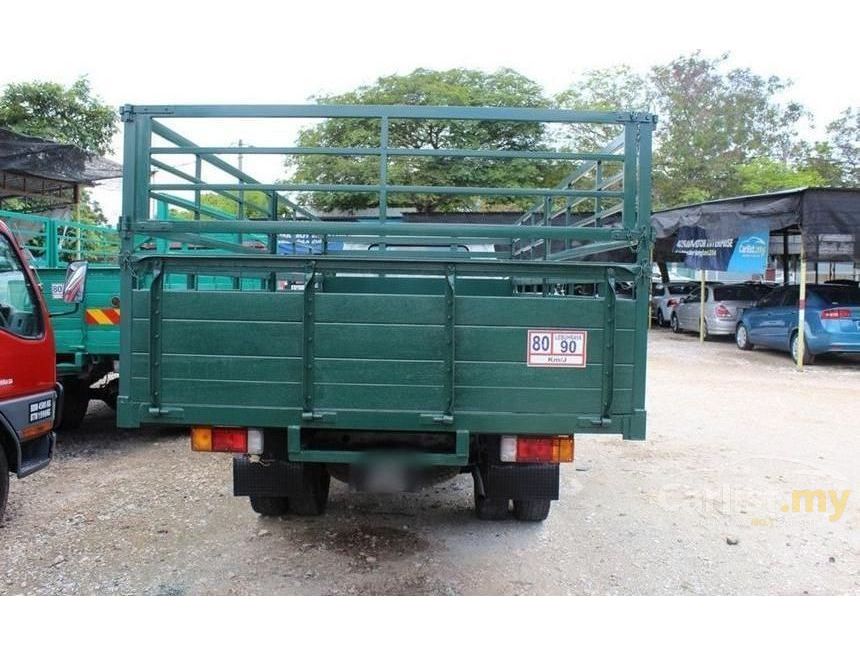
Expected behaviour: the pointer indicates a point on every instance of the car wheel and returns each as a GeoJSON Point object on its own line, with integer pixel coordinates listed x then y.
{"type": "Point", "coordinates": [676, 326]}
{"type": "Point", "coordinates": [661, 321]}
{"type": "Point", "coordinates": [705, 334]}
{"type": "Point", "coordinates": [808, 357]}
{"type": "Point", "coordinates": [742, 338]}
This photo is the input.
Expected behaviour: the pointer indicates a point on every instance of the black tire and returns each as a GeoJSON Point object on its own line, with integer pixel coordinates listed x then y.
{"type": "Point", "coordinates": [661, 320]}
{"type": "Point", "coordinates": [490, 508]}
{"type": "Point", "coordinates": [808, 357]}
{"type": "Point", "coordinates": [4, 482]}
{"type": "Point", "coordinates": [742, 338]}
{"type": "Point", "coordinates": [270, 506]}
{"type": "Point", "coordinates": [315, 496]}
{"type": "Point", "coordinates": [531, 510]}
{"type": "Point", "coordinates": [76, 400]}
{"type": "Point", "coordinates": [705, 334]}
{"type": "Point", "coordinates": [676, 326]}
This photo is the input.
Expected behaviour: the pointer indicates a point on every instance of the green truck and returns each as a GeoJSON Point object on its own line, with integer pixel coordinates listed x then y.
{"type": "Point", "coordinates": [87, 338]}
{"type": "Point", "coordinates": [388, 355]}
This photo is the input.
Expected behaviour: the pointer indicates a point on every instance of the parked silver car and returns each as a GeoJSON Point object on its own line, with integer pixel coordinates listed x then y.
{"type": "Point", "coordinates": [723, 306]}
{"type": "Point", "coordinates": [664, 297]}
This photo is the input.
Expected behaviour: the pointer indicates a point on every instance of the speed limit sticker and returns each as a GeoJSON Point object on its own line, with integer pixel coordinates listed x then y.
{"type": "Point", "coordinates": [557, 348]}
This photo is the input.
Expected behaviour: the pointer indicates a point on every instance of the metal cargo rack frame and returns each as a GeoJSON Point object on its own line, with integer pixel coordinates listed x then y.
{"type": "Point", "coordinates": [301, 360]}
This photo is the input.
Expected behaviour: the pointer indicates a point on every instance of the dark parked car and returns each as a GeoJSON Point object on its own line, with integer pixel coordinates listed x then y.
{"type": "Point", "coordinates": [832, 321]}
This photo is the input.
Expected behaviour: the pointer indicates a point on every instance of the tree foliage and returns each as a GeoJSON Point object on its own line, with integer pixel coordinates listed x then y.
{"type": "Point", "coordinates": [66, 114]}
{"type": "Point", "coordinates": [713, 122]}
{"type": "Point", "coordinates": [722, 130]}
{"type": "Point", "coordinates": [837, 158]}
{"type": "Point", "coordinates": [462, 87]}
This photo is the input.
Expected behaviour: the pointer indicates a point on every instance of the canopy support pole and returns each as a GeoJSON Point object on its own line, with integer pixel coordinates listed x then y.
{"type": "Point", "coordinates": [701, 305]}
{"type": "Point", "coordinates": [801, 310]}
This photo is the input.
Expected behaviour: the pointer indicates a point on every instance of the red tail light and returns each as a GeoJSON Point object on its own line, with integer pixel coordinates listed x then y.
{"type": "Point", "coordinates": [671, 302]}
{"type": "Point", "coordinates": [721, 311]}
{"type": "Point", "coordinates": [229, 440]}
{"type": "Point", "coordinates": [835, 314]}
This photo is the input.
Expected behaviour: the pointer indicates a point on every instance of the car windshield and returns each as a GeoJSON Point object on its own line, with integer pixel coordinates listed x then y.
{"type": "Point", "coordinates": [681, 289]}
{"type": "Point", "coordinates": [834, 295]}
{"type": "Point", "coordinates": [735, 292]}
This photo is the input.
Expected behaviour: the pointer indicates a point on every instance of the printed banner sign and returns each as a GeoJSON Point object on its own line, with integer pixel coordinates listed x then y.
{"type": "Point", "coordinates": [744, 254]}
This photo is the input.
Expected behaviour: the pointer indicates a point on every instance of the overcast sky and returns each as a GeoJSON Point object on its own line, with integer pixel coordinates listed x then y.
{"type": "Point", "coordinates": [285, 52]}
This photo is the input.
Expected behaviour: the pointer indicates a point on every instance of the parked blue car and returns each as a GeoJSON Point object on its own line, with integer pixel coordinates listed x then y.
{"type": "Point", "coordinates": [832, 321]}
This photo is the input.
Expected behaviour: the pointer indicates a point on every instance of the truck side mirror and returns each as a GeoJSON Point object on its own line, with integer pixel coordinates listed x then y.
{"type": "Point", "coordinates": [76, 282]}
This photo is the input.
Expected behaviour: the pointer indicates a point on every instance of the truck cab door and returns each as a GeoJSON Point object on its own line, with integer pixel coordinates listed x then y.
{"type": "Point", "coordinates": [26, 341]}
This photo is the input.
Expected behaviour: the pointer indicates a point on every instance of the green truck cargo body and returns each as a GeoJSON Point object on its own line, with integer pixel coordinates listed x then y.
{"type": "Point", "coordinates": [390, 346]}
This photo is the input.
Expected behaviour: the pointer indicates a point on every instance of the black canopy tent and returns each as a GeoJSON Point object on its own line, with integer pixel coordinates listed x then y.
{"type": "Point", "coordinates": [46, 172]}
{"type": "Point", "coordinates": [826, 221]}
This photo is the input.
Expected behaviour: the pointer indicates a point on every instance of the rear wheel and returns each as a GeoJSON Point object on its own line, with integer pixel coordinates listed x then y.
{"type": "Point", "coordinates": [76, 400]}
{"type": "Point", "coordinates": [531, 510]}
{"type": "Point", "coordinates": [808, 357]}
{"type": "Point", "coordinates": [661, 320]}
{"type": "Point", "coordinates": [676, 326]}
{"type": "Point", "coordinates": [742, 338]}
{"type": "Point", "coordinates": [269, 506]}
{"type": "Point", "coordinates": [4, 481]}
{"type": "Point", "coordinates": [314, 497]}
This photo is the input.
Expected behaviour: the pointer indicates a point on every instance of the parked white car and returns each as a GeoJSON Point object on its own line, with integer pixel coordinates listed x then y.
{"type": "Point", "coordinates": [664, 297]}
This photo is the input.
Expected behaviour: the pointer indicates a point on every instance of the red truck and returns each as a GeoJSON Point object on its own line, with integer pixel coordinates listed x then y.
{"type": "Point", "coordinates": [29, 393]}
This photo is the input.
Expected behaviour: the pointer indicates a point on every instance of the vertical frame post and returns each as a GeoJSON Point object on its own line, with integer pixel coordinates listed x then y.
{"type": "Point", "coordinates": [801, 308]}
{"type": "Point", "coordinates": [383, 168]}
{"type": "Point", "coordinates": [639, 137]}
{"type": "Point", "coordinates": [631, 161]}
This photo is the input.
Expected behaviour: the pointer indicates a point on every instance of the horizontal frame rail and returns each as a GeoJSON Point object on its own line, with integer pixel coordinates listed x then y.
{"type": "Point", "coordinates": [420, 112]}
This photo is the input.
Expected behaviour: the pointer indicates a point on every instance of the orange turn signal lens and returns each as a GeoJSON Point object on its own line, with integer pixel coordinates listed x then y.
{"type": "Point", "coordinates": [201, 438]}
{"type": "Point", "coordinates": [37, 430]}
{"type": "Point", "coordinates": [563, 450]}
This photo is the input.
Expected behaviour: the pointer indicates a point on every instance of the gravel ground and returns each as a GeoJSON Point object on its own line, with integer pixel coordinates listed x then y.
{"type": "Point", "coordinates": [696, 509]}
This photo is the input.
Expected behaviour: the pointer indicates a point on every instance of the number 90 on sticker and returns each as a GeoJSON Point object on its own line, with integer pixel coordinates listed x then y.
{"type": "Point", "coordinates": [557, 348]}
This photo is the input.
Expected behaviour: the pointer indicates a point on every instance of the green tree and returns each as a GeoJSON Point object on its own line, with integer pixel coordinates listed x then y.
{"type": "Point", "coordinates": [427, 87]}
{"type": "Point", "coordinates": [844, 139]}
{"type": "Point", "coordinates": [614, 89]}
{"type": "Point", "coordinates": [765, 175]}
{"type": "Point", "coordinates": [66, 114]}
{"type": "Point", "coordinates": [713, 121]}
{"type": "Point", "coordinates": [228, 206]}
